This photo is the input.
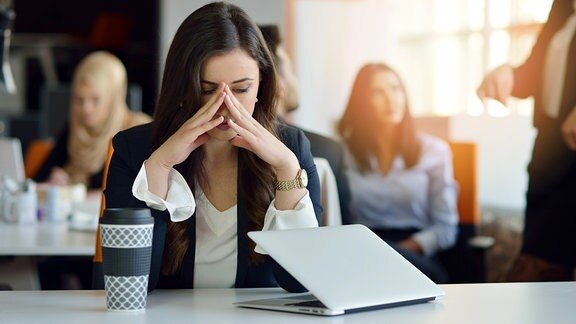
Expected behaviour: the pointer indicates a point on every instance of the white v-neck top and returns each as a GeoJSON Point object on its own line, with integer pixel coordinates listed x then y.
{"type": "Point", "coordinates": [216, 245]}
{"type": "Point", "coordinates": [216, 232]}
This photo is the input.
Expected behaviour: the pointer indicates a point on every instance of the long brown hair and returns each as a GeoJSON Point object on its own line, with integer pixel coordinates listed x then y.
{"type": "Point", "coordinates": [359, 129]}
{"type": "Point", "coordinates": [214, 29]}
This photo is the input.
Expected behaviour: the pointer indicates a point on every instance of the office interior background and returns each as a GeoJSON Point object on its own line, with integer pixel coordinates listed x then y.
{"type": "Point", "coordinates": [442, 49]}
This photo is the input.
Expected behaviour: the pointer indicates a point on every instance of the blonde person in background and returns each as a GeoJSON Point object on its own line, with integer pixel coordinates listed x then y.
{"type": "Point", "coordinates": [402, 180]}
{"type": "Point", "coordinates": [98, 110]}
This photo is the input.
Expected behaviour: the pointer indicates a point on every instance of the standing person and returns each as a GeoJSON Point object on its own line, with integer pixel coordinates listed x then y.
{"type": "Point", "coordinates": [548, 250]}
{"type": "Point", "coordinates": [321, 146]}
{"type": "Point", "coordinates": [404, 187]}
{"type": "Point", "coordinates": [98, 110]}
{"type": "Point", "coordinates": [214, 164]}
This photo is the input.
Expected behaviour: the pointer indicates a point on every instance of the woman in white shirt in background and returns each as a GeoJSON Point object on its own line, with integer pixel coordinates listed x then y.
{"type": "Point", "coordinates": [402, 180]}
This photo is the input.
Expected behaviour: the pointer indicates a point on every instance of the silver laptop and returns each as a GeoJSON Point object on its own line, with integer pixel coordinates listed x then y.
{"type": "Point", "coordinates": [346, 269]}
{"type": "Point", "coordinates": [11, 161]}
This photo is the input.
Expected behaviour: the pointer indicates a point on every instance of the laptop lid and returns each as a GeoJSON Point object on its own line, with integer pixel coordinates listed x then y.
{"type": "Point", "coordinates": [347, 267]}
{"type": "Point", "coordinates": [11, 161]}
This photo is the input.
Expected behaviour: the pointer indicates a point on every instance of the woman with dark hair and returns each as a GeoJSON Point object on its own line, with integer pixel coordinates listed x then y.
{"type": "Point", "coordinates": [403, 182]}
{"type": "Point", "coordinates": [214, 164]}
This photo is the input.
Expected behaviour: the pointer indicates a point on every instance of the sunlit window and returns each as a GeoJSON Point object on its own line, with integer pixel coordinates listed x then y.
{"type": "Point", "coordinates": [457, 42]}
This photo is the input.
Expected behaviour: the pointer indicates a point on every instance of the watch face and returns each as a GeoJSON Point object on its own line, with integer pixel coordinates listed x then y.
{"type": "Point", "coordinates": [304, 178]}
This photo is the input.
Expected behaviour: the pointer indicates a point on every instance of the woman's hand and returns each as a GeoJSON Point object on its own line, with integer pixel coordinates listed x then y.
{"type": "Point", "coordinates": [411, 245]}
{"type": "Point", "coordinates": [498, 84]}
{"type": "Point", "coordinates": [178, 147]}
{"type": "Point", "coordinates": [257, 139]}
{"type": "Point", "coordinates": [191, 134]}
{"type": "Point", "coordinates": [58, 177]}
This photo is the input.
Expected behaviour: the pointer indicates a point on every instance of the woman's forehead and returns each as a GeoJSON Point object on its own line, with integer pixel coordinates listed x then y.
{"type": "Point", "coordinates": [230, 67]}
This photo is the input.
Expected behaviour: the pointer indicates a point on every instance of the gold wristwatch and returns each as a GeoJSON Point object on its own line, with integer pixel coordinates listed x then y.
{"type": "Point", "coordinates": [301, 181]}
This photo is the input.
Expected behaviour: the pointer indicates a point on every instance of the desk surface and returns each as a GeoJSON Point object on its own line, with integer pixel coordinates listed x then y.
{"type": "Point", "coordinates": [472, 303]}
{"type": "Point", "coordinates": [45, 239]}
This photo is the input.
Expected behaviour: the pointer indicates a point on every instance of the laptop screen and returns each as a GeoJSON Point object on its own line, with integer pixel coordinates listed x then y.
{"type": "Point", "coordinates": [346, 266]}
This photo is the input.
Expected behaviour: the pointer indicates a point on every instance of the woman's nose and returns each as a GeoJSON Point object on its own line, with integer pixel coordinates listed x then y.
{"type": "Point", "coordinates": [223, 110]}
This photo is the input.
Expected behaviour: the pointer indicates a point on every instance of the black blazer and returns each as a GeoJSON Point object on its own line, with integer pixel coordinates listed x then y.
{"type": "Point", "coordinates": [529, 76]}
{"type": "Point", "coordinates": [553, 164]}
{"type": "Point", "coordinates": [132, 147]}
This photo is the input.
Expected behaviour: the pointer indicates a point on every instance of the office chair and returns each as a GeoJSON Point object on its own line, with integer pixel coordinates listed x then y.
{"type": "Point", "coordinates": [98, 272]}
{"type": "Point", "coordinates": [36, 153]}
{"type": "Point", "coordinates": [465, 262]}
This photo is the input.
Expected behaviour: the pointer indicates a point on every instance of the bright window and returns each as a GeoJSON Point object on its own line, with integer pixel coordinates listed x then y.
{"type": "Point", "coordinates": [445, 47]}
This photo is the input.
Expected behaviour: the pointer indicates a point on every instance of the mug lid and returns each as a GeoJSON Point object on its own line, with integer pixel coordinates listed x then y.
{"type": "Point", "coordinates": [127, 216]}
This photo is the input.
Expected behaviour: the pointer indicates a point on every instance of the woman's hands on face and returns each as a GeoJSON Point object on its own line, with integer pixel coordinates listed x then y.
{"type": "Point", "coordinates": [257, 139]}
{"type": "Point", "coordinates": [251, 136]}
{"type": "Point", "coordinates": [191, 134]}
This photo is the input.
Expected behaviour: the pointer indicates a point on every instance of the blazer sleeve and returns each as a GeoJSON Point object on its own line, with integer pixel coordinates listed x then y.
{"type": "Point", "coordinates": [123, 169]}
{"type": "Point", "coordinates": [301, 148]}
{"type": "Point", "coordinates": [528, 76]}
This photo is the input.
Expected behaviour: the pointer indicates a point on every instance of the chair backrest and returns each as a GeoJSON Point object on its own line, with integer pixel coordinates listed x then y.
{"type": "Point", "coordinates": [465, 173]}
{"type": "Point", "coordinates": [331, 215]}
{"type": "Point", "coordinates": [36, 154]}
{"type": "Point", "coordinates": [98, 245]}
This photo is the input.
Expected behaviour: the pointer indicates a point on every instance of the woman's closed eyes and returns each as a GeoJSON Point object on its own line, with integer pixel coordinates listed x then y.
{"type": "Point", "coordinates": [207, 92]}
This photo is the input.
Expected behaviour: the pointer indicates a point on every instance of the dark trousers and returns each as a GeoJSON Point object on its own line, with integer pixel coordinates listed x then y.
{"type": "Point", "coordinates": [429, 265]}
{"type": "Point", "coordinates": [550, 220]}
{"type": "Point", "coordinates": [548, 245]}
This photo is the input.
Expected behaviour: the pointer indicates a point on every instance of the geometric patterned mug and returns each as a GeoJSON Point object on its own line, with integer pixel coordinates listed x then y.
{"type": "Point", "coordinates": [126, 235]}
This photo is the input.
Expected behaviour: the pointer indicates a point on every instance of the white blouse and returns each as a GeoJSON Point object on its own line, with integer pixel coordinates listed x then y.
{"type": "Point", "coordinates": [216, 232]}
{"type": "Point", "coordinates": [216, 245]}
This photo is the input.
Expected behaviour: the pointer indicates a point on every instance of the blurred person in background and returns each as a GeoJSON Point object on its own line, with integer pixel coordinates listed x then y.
{"type": "Point", "coordinates": [288, 102]}
{"type": "Point", "coordinates": [98, 110]}
{"type": "Point", "coordinates": [548, 75]}
{"type": "Point", "coordinates": [404, 187]}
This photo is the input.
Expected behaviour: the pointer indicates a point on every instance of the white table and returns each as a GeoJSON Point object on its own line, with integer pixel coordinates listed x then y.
{"type": "Point", "coordinates": [28, 242]}
{"type": "Point", "coordinates": [44, 239]}
{"type": "Point", "coordinates": [508, 303]}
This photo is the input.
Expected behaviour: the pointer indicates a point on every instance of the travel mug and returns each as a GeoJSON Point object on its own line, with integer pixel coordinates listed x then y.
{"type": "Point", "coordinates": [126, 235]}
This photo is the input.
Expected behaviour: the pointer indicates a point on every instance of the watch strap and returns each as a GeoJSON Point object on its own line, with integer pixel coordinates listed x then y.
{"type": "Point", "coordinates": [287, 185]}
